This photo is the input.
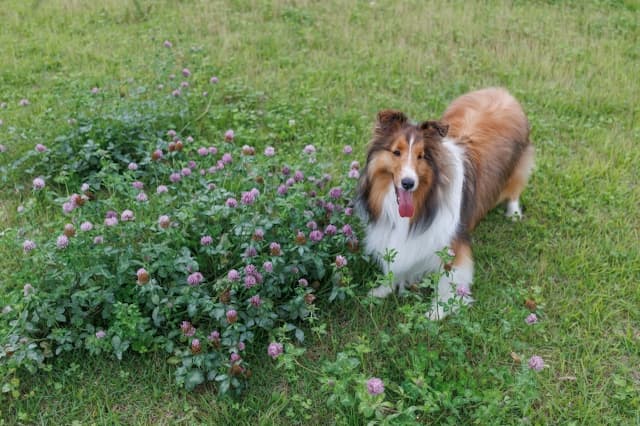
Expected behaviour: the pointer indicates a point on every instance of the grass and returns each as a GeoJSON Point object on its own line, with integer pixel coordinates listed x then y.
{"type": "Point", "coordinates": [574, 66]}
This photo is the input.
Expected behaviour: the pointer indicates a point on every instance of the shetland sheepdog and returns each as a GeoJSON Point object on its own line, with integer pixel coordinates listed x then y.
{"type": "Point", "coordinates": [426, 186]}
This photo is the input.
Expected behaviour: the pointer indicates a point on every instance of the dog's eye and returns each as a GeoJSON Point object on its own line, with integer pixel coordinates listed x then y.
{"type": "Point", "coordinates": [396, 153]}
{"type": "Point", "coordinates": [420, 156]}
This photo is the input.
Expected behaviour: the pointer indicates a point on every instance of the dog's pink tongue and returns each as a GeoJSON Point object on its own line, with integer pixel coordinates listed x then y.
{"type": "Point", "coordinates": [405, 203]}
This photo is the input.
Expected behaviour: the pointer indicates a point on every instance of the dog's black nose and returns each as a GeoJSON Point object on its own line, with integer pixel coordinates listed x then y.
{"type": "Point", "coordinates": [407, 184]}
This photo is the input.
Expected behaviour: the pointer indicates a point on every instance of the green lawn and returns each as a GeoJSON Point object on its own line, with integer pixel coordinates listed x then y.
{"type": "Point", "coordinates": [573, 65]}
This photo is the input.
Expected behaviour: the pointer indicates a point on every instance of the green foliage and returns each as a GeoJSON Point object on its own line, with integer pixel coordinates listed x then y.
{"type": "Point", "coordinates": [235, 231]}
{"type": "Point", "coordinates": [434, 374]}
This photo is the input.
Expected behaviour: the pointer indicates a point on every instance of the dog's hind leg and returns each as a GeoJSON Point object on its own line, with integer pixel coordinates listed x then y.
{"type": "Point", "coordinates": [454, 288]}
{"type": "Point", "coordinates": [381, 291]}
{"type": "Point", "coordinates": [516, 183]}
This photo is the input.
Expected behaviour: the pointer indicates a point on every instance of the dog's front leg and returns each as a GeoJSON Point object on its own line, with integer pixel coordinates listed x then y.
{"type": "Point", "coordinates": [454, 289]}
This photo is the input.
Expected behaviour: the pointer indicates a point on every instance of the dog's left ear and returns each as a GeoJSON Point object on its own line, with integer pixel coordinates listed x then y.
{"type": "Point", "coordinates": [388, 121]}
{"type": "Point", "coordinates": [431, 127]}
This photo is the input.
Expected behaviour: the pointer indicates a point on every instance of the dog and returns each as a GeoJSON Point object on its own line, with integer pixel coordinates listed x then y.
{"type": "Point", "coordinates": [425, 187]}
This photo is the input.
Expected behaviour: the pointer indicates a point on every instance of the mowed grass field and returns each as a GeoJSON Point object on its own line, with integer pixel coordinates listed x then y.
{"type": "Point", "coordinates": [573, 65]}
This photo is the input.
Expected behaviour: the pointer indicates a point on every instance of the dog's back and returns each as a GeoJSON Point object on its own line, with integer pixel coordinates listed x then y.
{"type": "Point", "coordinates": [494, 130]}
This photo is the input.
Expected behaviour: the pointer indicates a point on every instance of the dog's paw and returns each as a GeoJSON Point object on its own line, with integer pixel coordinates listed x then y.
{"type": "Point", "coordinates": [381, 292]}
{"type": "Point", "coordinates": [513, 212]}
{"type": "Point", "coordinates": [437, 312]}
{"type": "Point", "coordinates": [515, 216]}
{"type": "Point", "coordinates": [440, 310]}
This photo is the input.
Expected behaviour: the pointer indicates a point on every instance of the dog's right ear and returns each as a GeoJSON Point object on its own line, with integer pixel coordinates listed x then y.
{"type": "Point", "coordinates": [389, 120]}
{"type": "Point", "coordinates": [431, 127]}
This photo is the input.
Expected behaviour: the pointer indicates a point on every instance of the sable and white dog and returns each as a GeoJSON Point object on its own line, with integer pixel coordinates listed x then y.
{"type": "Point", "coordinates": [426, 186]}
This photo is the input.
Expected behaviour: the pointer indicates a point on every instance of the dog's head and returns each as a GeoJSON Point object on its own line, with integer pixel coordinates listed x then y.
{"type": "Point", "coordinates": [403, 154]}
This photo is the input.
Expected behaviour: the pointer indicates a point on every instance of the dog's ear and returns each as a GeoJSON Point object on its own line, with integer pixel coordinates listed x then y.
{"type": "Point", "coordinates": [388, 121]}
{"type": "Point", "coordinates": [433, 128]}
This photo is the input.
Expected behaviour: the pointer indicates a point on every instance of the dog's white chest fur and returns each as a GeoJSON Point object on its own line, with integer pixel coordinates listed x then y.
{"type": "Point", "coordinates": [416, 251]}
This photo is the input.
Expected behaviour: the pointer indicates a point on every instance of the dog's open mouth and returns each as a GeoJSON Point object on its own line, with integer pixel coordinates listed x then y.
{"type": "Point", "coordinates": [405, 202]}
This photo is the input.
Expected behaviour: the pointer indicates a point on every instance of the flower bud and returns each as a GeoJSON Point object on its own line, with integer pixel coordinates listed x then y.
{"type": "Point", "coordinates": [195, 346]}
{"type": "Point", "coordinates": [69, 230]}
{"type": "Point", "coordinates": [300, 238]}
{"type": "Point", "coordinates": [143, 276]}
{"type": "Point", "coordinates": [232, 316]}
{"type": "Point", "coordinates": [225, 296]}
{"type": "Point", "coordinates": [530, 304]}
{"type": "Point", "coordinates": [236, 370]}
